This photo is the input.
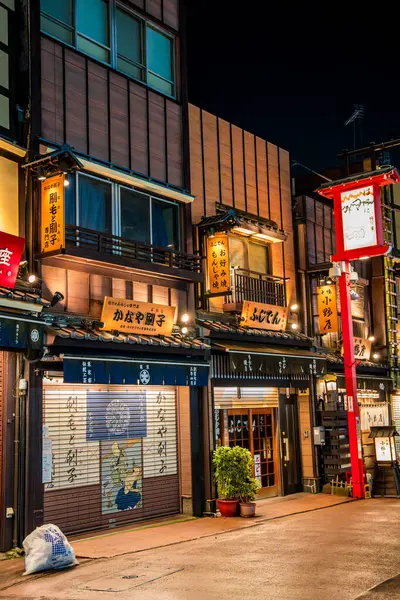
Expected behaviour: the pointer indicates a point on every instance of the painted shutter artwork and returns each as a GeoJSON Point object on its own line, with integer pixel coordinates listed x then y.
{"type": "Point", "coordinates": [114, 455]}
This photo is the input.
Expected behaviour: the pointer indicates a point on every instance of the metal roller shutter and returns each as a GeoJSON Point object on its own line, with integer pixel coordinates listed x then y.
{"type": "Point", "coordinates": [248, 397]}
{"type": "Point", "coordinates": [109, 455]}
{"type": "Point", "coordinates": [1, 424]}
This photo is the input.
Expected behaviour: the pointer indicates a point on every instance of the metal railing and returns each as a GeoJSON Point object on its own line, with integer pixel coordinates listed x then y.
{"type": "Point", "coordinates": [106, 245]}
{"type": "Point", "coordinates": [257, 287]}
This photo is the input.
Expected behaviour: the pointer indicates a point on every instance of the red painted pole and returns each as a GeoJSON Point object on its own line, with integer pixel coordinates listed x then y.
{"type": "Point", "coordinates": [357, 468]}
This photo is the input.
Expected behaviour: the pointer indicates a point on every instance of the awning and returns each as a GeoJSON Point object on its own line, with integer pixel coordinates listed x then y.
{"type": "Point", "coordinates": [132, 371]}
{"type": "Point", "coordinates": [277, 361]}
{"type": "Point", "coordinates": [20, 333]}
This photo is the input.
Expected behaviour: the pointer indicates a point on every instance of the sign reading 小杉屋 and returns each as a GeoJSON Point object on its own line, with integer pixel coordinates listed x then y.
{"type": "Point", "coordinates": [358, 217]}
{"type": "Point", "coordinates": [327, 309]}
{"type": "Point", "coordinates": [218, 263]}
{"type": "Point", "coordinates": [11, 248]}
{"type": "Point", "coordinates": [264, 316]}
{"type": "Point", "coordinates": [131, 316]}
{"type": "Point", "coordinates": [52, 217]}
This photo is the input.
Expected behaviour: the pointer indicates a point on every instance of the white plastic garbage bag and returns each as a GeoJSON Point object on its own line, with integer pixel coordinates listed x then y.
{"type": "Point", "coordinates": [47, 548]}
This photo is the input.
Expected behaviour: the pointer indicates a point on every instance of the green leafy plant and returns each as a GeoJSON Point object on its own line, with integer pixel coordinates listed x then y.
{"type": "Point", "coordinates": [248, 490]}
{"type": "Point", "coordinates": [233, 470]}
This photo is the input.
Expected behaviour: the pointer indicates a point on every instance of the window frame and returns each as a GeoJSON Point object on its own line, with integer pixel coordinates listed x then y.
{"type": "Point", "coordinates": [247, 241]}
{"type": "Point", "coordinates": [116, 222]}
{"type": "Point", "coordinates": [113, 6]}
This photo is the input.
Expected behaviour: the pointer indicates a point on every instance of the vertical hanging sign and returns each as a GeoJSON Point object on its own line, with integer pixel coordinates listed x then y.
{"type": "Point", "coordinates": [327, 309]}
{"type": "Point", "coordinates": [218, 264]}
{"type": "Point", "coordinates": [52, 230]}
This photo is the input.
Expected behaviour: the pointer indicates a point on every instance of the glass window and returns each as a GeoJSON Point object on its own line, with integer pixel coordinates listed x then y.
{"type": "Point", "coordinates": [95, 204]}
{"type": "Point", "coordinates": [3, 26]}
{"type": "Point", "coordinates": [56, 19]}
{"type": "Point", "coordinates": [4, 112]}
{"type": "Point", "coordinates": [135, 216]}
{"type": "Point", "coordinates": [165, 224]}
{"type": "Point", "coordinates": [159, 61]}
{"type": "Point", "coordinates": [258, 258]}
{"type": "Point", "coordinates": [238, 252]}
{"type": "Point", "coordinates": [69, 195]}
{"type": "Point", "coordinates": [129, 40]}
{"type": "Point", "coordinates": [92, 22]}
{"type": "Point", "coordinates": [4, 69]}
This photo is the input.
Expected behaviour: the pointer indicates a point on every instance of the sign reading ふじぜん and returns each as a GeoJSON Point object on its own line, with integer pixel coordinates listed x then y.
{"type": "Point", "coordinates": [264, 316]}
{"type": "Point", "coordinates": [130, 316]}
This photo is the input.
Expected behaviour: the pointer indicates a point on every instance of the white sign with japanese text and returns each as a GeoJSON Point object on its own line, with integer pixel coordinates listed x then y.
{"type": "Point", "coordinates": [358, 216]}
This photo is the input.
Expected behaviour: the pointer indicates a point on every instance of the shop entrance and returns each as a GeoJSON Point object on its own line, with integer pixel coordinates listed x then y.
{"type": "Point", "coordinates": [290, 444]}
{"type": "Point", "coordinates": [255, 429]}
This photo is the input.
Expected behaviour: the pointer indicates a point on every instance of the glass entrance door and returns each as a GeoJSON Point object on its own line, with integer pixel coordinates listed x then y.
{"type": "Point", "coordinates": [253, 429]}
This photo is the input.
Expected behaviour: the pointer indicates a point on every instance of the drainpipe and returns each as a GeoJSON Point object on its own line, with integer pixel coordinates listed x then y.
{"type": "Point", "coordinates": [21, 387]}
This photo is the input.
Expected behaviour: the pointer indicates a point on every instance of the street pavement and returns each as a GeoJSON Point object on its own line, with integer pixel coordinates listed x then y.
{"type": "Point", "coordinates": [343, 552]}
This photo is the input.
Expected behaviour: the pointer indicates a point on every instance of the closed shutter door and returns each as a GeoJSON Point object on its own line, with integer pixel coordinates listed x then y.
{"type": "Point", "coordinates": [109, 455]}
{"type": "Point", "coordinates": [396, 420]}
{"type": "Point", "coordinates": [247, 397]}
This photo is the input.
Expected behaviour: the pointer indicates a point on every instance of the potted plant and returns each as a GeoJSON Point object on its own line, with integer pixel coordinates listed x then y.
{"type": "Point", "coordinates": [233, 469]}
{"type": "Point", "coordinates": [247, 495]}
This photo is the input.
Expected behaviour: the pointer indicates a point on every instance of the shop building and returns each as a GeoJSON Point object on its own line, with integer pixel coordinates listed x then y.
{"type": "Point", "coordinates": [263, 367]}
{"type": "Point", "coordinates": [119, 385]}
{"type": "Point", "coordinates": [315, 232]}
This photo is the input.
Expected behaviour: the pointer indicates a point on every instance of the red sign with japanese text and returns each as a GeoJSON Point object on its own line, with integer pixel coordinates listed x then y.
{"type": "Point", "coordinates": [11, 249]}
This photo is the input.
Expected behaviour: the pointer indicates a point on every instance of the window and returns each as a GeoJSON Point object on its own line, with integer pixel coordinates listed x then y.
{"type": "Point", "coordinates": [159, 61]}
{"type": "Point", "coordinates": [135, 216]}
{"type": "Point", "coordinates": [113, 209]}
{"type": "Point", "coordinates": [129, 45]}
{"type": "Point", "coordinates": [93, 29]}
{"type": "Point", "coordinates": [114, 35]}
{"type": "Point", "coordinates": [94, 204]}
{"type": "Point", "coordinates": [4, 70]}
{"type": "Point", "coordinates": [165, 224]}
{"type": "Point", "coordinates": [248, 255]}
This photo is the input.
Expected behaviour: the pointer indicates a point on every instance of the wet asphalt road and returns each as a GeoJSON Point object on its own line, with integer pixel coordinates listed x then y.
{"type": "Point", "coordinates": [341, 553]}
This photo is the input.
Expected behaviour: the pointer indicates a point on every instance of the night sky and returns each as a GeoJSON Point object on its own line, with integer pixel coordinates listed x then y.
{"type": "Point", "coordinates": [277, 74]}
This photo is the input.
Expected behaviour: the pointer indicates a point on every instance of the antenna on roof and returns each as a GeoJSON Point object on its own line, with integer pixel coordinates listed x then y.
{"type": "Point", "coordinates": [355, 118]}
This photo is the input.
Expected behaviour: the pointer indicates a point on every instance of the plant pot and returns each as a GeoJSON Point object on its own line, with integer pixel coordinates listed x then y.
{"type": "Point", "coordinates": [227, 508]}
{"type": "Point", "coordinates": [247, 509]}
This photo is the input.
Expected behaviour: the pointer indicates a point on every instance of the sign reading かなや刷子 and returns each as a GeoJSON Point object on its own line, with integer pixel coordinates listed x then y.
{"type": "Point", "coordinates": [130, 316]}
{"type": "Point", "coordinates": [264, 316]}
{"type": "Point", "coordinates": [327, 309]}
{"type": "Point", "coordinates": [52, 217]}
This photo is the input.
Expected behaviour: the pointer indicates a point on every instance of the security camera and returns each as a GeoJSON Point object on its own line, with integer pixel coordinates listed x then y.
{"type": "Point", "coordinates": [353, 277]}
{"type": "Point", "coordinates": [335, 271]}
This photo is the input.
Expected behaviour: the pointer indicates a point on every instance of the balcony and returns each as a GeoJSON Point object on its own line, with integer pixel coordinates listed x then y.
{"type": "Point", "coordinates": [104, 254]}
{"type": "Point", "coordinates": [254, 286]}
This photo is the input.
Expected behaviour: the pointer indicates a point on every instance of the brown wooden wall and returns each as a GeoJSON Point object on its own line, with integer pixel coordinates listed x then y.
{"type": "Point", "coordinates": [234, 167]}
{"type": "Point", "coordinates": [109, 117]}
{"type": "Point", "coordinates": [84, 293]}
{"type": "Point", "coordinates": [165, 11]}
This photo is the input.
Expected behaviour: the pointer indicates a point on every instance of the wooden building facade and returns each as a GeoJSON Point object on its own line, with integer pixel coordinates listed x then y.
{"type": "Point", "coordinates": [118, 391]}
{"type": "Point", "coordinates": [263, 367]}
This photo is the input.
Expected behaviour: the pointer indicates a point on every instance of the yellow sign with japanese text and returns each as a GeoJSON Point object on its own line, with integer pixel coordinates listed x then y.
{"type": "Point", "coordinates": [218, 263]}
{"type": "Point", "coordinates": [131, 316]}
{"type": "Point", "coordinates": [327, 309]}
{"type": "Point", "coordinates": [52, 217]}
{"type": "Point", "coordinates": [264, 316]}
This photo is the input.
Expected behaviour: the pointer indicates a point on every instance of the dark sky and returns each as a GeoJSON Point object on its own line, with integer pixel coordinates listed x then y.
{"type": "Point", "coordinates": [293, 78]}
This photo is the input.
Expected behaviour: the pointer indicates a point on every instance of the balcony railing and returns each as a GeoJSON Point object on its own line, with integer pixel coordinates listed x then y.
{"type": "Point", "coordinates": [105, 245]}
{"type": "Point", "coordinates": [258, 287]}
